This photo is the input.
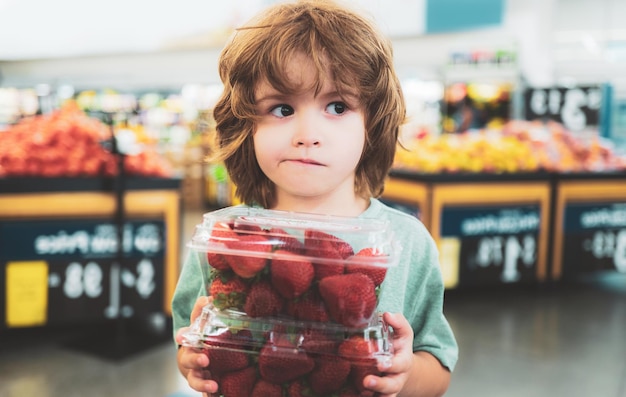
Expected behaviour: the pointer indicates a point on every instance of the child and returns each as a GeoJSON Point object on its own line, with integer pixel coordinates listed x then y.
{"type": "Point", "coordinates": [308, 121]}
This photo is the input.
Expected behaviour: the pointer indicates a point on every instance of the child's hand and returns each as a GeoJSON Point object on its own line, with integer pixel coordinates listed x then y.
{"type": "Point", "coordinates": [192, 362]}
{"type": "Point", "coordinates": [396, 373]}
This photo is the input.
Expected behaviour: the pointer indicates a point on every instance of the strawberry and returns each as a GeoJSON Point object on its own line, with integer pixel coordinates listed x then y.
{"type": "Point", "coordinates": [309, 307]}
{"type": "Point", "coordinates": [298, 389]}
{"type": "Point", "coordinates": [263, 388]}
{"type": "Point", "coordinates": [246, 228]}
{"type": "Point", "coordinates": [319, 343]}
{"type": "Point", "coordinates": [350, 391]}
{"type": "Point", "coordinates": [284, 241]}
{"type": "Point", "coordinates": [357, 349]}
{"type": "Point", "coordinates": [227, 351]}
{"type": "Point", "coordinates": [349, 298]}
{"type": "Point", "coordinates": [263, 300]}
{"type": "Point", "coordinates": [329, 374]}
{"type": "Point", "coordinates": [228, 291]}
{"type": "Point", "coordinates": [252, 257]}
{"type": "Point", "coordinates": [220, 234]}
{"type": "Point", "coordinates": [323, 245]}
{"type": "Point", "coordinates": [238, 383]}
{"type": "Point", "coordinates": [359, 352]}
{"type": "Point", "coordinates": [376, 270]}
{"type": "Point", "coordinates": [281, 361]}
{"type": "Point", "coordinates": [358, 372]}
{"type": "Point", "coordinates": [291, 274]}
{"type": "Point", "coordinates": [222, 361]}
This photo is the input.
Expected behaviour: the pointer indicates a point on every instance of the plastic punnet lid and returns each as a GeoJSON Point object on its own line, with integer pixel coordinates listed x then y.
{"type": "Point", "coordinates": [270, 234]}
{"type": "Point", "coordinates": [233, 330]}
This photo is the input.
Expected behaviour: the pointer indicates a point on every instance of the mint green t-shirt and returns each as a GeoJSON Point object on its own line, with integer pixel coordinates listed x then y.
{"type": "Point", "coordinates": [413, 287]}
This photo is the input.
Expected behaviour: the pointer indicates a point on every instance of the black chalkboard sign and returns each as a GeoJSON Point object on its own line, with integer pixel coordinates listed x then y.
{"type": "Point", "coordinates": [576, 108]}
{"type": "Point", "coordinates": [594, 238]}
{"type": "Point", "coordinates": [76, 273]}
{"type": "Point", "coordinates": [498, 244]}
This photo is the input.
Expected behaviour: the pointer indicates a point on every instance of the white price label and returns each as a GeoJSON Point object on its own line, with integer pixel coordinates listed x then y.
{"type": "Point", "coordinates": [609, 244]}
{"type": "Point", "coordinates": [145, 280]}
{"type": "Point", "coordinates": [506, 252]}
{"type": "Point", "coordinates": [570, 106]}
{"type": "Point", "coordinates": [81, 280]}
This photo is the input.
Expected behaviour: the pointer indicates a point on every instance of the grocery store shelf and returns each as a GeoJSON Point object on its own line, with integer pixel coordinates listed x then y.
{"type": "Point", "coordinates": [82, 184]}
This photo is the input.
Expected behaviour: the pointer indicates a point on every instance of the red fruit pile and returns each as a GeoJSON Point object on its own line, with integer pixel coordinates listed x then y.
{"type": "Point", "coordinates": [68, 143]}
{"type": "Point", "coordinates": [268, 272]}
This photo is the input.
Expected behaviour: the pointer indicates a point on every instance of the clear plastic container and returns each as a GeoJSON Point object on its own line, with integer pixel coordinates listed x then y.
{"type": "Point", "coordinates": [299, 266]}
{"type": "Point", "coordinates": [252, 356]}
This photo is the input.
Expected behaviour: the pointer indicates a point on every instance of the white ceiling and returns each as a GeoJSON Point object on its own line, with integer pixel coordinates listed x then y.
{"type": "Point", "coordinates": [31, 29]}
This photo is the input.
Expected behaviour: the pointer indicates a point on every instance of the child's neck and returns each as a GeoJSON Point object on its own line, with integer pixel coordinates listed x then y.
{"type": "Point", "coordinates": [353, 207]}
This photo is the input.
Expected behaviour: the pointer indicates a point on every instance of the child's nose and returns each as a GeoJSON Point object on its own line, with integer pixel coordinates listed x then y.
{"type": "Point", "coordinates": [307, 134]}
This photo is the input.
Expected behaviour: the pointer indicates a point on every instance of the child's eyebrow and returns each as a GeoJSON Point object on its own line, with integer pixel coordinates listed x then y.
{"type": "Point", "coordinates": [269, 94]}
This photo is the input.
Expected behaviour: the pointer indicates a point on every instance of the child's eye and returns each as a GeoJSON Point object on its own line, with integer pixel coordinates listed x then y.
{"type": "Point", "coordinates": [336, 108]}
{"type": "Point", "coordinates": [282, 111]}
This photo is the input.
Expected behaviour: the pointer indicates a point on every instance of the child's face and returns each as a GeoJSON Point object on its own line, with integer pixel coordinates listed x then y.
{"type": "Point", "coordinates": [309, 145]}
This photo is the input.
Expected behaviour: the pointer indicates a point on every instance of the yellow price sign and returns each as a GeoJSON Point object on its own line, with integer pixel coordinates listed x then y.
{"type": "Point", "coordinates": [449, 252]}
{"type": "Point", "coordinates": [26, 293]}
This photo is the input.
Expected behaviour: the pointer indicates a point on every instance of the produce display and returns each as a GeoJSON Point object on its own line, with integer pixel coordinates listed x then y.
{"type": "Point", "coordinates": [277, 357]}
{"type": "Point", "coordinates": [293, 301]}
{"type": "Point", "coordinates": [68, 143]}
{"type": "Point", "coordinates": [520, 146]}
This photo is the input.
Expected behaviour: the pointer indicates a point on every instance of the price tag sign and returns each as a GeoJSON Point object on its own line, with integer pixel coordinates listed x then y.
{"type": "Point", "coordinates": [84, 278]}
{"type": "Point", "coordinates": [594, 237]}
{"type": "Point", "coordinates": [495, 245]}
{"type": "Point", "coordinates": [576, 108]}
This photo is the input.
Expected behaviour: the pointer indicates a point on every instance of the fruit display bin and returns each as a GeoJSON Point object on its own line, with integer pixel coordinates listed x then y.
{"type": "Point", "coordinates": [277, 357]}
{"type": "Point", "coordinates": [269, 263]}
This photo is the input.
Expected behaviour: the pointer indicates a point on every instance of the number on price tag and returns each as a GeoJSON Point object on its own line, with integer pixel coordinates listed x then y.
{"type": "Point", "coordinates": [577, 108]}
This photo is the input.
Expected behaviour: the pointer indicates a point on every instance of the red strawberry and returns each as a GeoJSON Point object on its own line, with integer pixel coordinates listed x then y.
{"type": "Point", "coordinates": [350, 391]}
{"type": "Point", "coordinates": [263, 300]}
{"type": "Point", "coordinates": [356, 348]}
{"type": "Point", "coordinates": [281, 361]}
{"type": "Point", "coordinates": [329, 374]}
{"type": "Point", "coordinates": [246, 228]}
{"type": "Point", "coordinates": [358, 372]}
{"type": "Point", "coordinates": [251, 258]}
{"type": "Point", "coordinates": [264, 388]}
{"type": "Point", "coordinates": [309, 306]}
{"type": "Point", "coordinates": [360, 352]}
{"type": "Point", "coordinates": [349, 298]}
{"type": "Point", "coordinates": [238, 383]}
{"type": "Point", "coordinates": [228, 291]}
{"type": "Point", "coordinates": [319, 343]}
{"type": "Point", "coordinates": [323, 245]}
{"type": "Point", "coordinates": [291, 274]}
{"type": "Point", "coordinates": [298, 389]}
{"type": "Point", "coordinates": [284, 241]}
{"type": "Point", "coordinates": [227, 350]}
{"type": "Point", "coordinates": [360, 263]}
{"type": "Point", "coordinates": [220, 234]}
{"type": "Point", "coordinates": [223, 361]}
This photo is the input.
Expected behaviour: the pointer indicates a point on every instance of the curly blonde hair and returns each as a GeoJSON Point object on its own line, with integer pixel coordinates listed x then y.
{"type": "Point", "coordinates": [338, 41]}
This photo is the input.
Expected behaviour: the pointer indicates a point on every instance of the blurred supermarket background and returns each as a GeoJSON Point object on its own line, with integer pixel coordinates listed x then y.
{"type": "Point", "coordinates": [514, 157]}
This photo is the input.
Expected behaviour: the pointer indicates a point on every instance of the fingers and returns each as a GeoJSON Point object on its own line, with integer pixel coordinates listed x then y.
{"type": "Point", "coordinates": [386, 386]}
{"type": "Point", "coordinates": [395, 369]}
{"type": "Point", "coordinates": [193, 364]}
{"type": "Point", "coordinates": [179, 335]}
{"type": "Point", "coordinates": [199, 381]}
{"type": "Point", "coordinates": [198, 306]}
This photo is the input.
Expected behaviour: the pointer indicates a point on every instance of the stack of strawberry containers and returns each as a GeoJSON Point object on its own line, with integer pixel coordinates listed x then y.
{"type": "Point", "coordinates": [294, 299]}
